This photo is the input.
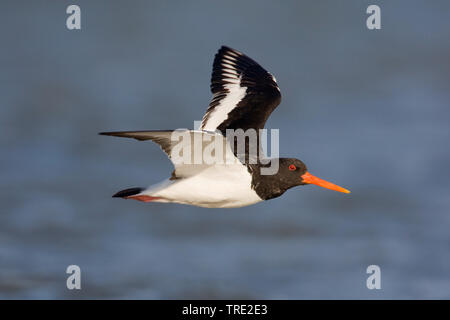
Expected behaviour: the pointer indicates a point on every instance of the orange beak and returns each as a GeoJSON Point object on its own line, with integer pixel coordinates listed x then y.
{"type": "Point", "coordinates": [310, 179]}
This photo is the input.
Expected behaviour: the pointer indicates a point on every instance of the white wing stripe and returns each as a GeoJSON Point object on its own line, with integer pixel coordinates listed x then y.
{"type": "Point", "coordinates": [229, 66]}
{"type": "Point", "coordinates": [220, 113]}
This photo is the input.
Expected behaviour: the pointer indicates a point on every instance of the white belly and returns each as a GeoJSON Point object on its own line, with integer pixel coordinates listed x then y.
{"type": "Point", "coordinates": [219, 186]}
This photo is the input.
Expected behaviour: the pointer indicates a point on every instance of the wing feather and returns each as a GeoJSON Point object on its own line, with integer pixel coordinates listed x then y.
{"type": "Point", "coordinates": [175, 142]}
{"type": "Point", "coordinates": [244, 93]}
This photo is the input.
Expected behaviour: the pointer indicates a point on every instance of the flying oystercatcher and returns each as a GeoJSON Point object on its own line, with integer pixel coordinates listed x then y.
{"type": "Point", "coordinates": [244, 96]}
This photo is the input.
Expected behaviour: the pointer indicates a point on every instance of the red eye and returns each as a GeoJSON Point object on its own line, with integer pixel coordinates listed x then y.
{"type": "Point", "coordinates": [292, 167]}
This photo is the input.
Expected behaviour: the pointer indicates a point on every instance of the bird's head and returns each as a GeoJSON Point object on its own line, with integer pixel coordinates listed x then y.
{"type": "Point", "coordinates": [293, 173]}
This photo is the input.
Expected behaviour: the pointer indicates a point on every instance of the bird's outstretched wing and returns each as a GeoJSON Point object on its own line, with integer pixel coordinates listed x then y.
{"type": "Point", "coordinates": [244, 94]}
{"type": "Point", "coordinates": [176, 142]}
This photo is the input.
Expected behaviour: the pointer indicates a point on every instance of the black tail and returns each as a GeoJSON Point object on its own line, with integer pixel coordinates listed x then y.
{"type": "Point", "coordinates": [128, 192]}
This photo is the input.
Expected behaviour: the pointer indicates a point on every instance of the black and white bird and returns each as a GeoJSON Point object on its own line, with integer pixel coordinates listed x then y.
{"type": "Point", "coordinates": [244, 96]}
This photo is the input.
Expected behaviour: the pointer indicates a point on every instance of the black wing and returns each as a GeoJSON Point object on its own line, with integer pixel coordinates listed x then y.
{"type": "Point", "coordinates": [244, 94]}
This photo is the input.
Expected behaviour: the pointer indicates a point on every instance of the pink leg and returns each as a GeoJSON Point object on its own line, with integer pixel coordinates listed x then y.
{"type": "Point", "coordinates": [143, 198]}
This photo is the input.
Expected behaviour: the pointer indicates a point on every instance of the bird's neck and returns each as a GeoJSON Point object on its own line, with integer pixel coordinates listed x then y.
{"type": "Point", "coordinates": [266, 186]}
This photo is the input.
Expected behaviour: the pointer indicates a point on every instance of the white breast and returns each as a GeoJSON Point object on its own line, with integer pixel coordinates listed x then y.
{"type": "Point", "coordinates": [220, 186]}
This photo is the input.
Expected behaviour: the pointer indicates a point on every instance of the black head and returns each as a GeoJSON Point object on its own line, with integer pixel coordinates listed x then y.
{"type": "Point", "coordinates": [291, 173]}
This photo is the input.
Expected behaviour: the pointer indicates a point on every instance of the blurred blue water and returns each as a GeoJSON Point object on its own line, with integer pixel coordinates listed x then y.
{"type": "Point", "coordinates": [366, 109]}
